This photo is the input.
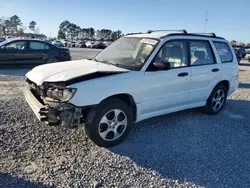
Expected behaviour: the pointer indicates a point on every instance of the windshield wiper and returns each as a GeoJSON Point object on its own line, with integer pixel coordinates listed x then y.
{"type": "Point", "coordinates": [107, 62]}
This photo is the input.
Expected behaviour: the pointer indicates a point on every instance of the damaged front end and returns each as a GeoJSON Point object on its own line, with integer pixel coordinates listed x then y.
{"type": "Point", "coordinates": [50, 104]}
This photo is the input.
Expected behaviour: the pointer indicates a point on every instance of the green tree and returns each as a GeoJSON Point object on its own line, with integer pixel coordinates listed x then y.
{"type": "Point", "coordinates": [248, 45]}
{"type": "Point", "coordinates": [233, 42]}
{"type": "Point", "coordinates": [7, 25]}
{"type": "Point", "coordinates": [76, 32]}
{"type": "Point", "coordinates": [98, 34]}
{"type": "Point", "coordinates": [15, 22]}
{"type": "Point", "coordinates": [105, 34]}
{"type": "Point", "coordinates": [20, 32]}
{"type": "Point", "coordinates": [2, 26]}
{"type": "Point", "coordinates": [32, 26]}
{"type": "Point", "coordinates": [114, 36]}
{"type": "Point", "coordinates": [119, 34]}
{"type": "Point", "coordinates": [84, 33]}
{"type": "Point", "coordinates": [61, 35]}
{"type": "Point", "coordinates": [64, 27]}
{"type": "Point", "coordinates": [91, 33]}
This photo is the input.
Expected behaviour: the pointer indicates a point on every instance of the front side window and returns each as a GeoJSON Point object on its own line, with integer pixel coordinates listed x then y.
{"type": "Point", "coordinates": [18, 45]}
{"type": "Point", "coordinates": [173, 52]}
{"type": "Point", "coordinates": [200, 53]}
{"type": "Point", "coordinates": [224, 52]}
{"type": "Point", "coordinates": [128, 52]}
{"type": "Point", "coordinates": [38, 46]}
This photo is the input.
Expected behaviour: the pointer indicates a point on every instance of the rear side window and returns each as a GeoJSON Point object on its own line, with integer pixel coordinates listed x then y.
{"type": "Point", "coordinates": [38, 46]}
{"type": "Point", "coordinates": [200, 53]}
{"type": "Point", "coordinates": [224, 52]}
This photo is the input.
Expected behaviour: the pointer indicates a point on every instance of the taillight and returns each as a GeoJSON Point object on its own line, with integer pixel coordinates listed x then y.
{"type": "Point", "coordinates": [65, 52]}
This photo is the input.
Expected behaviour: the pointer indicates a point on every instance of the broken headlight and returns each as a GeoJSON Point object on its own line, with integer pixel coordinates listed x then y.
{"type": "Point", "coordinates": [60, 94]}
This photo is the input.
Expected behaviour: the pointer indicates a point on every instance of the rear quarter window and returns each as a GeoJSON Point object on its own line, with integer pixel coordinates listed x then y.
{"type": "Point", "coordinates": [224, 52]}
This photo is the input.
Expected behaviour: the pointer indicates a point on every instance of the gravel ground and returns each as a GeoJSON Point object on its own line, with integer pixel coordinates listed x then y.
{"type": "Point", "coordinates": [185, 149]}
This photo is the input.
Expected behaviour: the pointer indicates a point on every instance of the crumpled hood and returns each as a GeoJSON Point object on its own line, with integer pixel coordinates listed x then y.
{"type": "Point", "coordinates": [63, 71]}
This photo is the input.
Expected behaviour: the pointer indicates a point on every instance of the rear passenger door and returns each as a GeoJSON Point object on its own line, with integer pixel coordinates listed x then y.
{"type": "Point", "coordinates": [37, 52]}
{"type": "Point", "coordinates": [204, 69]}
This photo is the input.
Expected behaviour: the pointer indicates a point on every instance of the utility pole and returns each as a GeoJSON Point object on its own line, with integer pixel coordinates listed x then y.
{"type": "Point", "coordinates": [206, 19]}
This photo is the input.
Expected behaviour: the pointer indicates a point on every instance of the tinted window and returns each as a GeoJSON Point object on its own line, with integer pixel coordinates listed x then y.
{"type": "Point", "coordinates": [174, 52]}
{"type": "Point", "coordinates": [224, 52]}
{"type": "Point", "coordinates": [200, 53]}
{"type": "Point", "coordinates": [38, 46]}
{"type": "Point", "coordinates": [18, 45]}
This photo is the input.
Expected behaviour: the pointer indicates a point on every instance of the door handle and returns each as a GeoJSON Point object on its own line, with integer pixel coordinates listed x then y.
{"type": "Point", "coordinates": [215, 70]}
{"type": "Point", "coordinates": [183, 74]}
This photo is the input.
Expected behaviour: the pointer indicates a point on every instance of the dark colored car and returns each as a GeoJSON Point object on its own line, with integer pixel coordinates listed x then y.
{"type": "Point", "coordinates": [2, 39]}
{"type": "Point", "coordinates": [31, 52]}
{"type": "Point", "coordinates": [71, 44]}
{"type": "Point", "coordinates": [242, 52]}
{"type": "Point", "coordinates": [238, 55]}
{"type": "Point", "coordinates": [99, 45]}
{"type": "Point", "coordinates": [80, 44]}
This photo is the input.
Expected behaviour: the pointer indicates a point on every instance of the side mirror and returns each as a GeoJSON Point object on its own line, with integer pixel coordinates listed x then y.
{"type": "Point", "coordinates": [162, 65]}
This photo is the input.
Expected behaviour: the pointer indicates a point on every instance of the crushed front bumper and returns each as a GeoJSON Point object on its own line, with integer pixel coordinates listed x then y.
{"type": "Point", "coordinates": [63, 114]}
{"type": "Point", "coordinates": [34, 104]}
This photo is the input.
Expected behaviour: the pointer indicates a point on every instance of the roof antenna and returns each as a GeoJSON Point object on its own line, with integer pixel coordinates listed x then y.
{"type": "Point", "coordinates": [206, 19]}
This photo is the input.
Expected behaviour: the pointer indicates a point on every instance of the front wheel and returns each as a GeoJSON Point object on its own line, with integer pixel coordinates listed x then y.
{"type": "Point", "coordinates": [217, 100]}
{"type": "Point", "coordinates": [109, 123]}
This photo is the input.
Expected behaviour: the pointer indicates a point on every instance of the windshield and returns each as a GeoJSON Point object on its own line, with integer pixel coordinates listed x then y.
{"type": "Point", "coordinates": [128, 52]}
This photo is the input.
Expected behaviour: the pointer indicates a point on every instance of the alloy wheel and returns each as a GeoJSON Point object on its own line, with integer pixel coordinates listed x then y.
{"type": "Point", "coordinates": [112, 125]}
{"type": "Point", "coordinates": [218, 99]}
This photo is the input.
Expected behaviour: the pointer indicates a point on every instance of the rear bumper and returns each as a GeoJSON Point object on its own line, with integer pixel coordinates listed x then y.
{"type": "Point", "coordinates": [234, 84]}
{"type": "Point", "coordinates": [68, 58]}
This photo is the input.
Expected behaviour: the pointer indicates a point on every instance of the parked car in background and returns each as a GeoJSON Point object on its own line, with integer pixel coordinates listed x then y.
{"type": "Point", "coordinates": [137, 77]}
{"type": "Point", "coordinates": [80, 44]}
{"type": "Point", "coordinates": [65, 42]}
{"type": "Point", "coordinates": [71, 44]}
{"type": "Point", "coordinates": [247, 55]}
{"type": "Point", "coordinates": [107, 43]}
{"type": "Point", "coordinates": [49, 41]}
{"type": "Point", "coordinates": [31, 52]}
{"type": "Point", "coordinates": [98, 45]}
{"type": "Point", "coordinates": [2, 39]}
{"type": "Point", "coordinates": [242, 52]}
{"type": "Point", "coordinates": [238, 55]}
{"type": "Point", "coordinates": [58, 43]}
{"type": "Point", "coordinates": [89, 44]}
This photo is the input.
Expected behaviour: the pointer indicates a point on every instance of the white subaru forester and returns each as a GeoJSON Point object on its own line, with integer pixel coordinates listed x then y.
{"type": "Point", "coordinates": [137, 77]}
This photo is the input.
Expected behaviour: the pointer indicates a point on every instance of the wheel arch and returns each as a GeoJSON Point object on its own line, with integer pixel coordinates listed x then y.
{"type": "Point", "coordinates": [226, 83]}
{"type": "Point", "coordinates": [127, 99]}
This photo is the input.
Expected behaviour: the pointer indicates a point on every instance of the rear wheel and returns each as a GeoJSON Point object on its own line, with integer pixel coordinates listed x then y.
{"type": "Point", "coordinates": [109, 123]}
{"type": "Point", "coordinates": [51, 60]}
{"type": "Point", "coordinates": [217, 100]}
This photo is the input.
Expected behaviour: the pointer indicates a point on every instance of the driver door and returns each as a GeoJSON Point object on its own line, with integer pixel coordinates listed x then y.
{"type": "Point", "coordinates": [167, 90]}
{"type": "Point", "coordinates": [13, 53]}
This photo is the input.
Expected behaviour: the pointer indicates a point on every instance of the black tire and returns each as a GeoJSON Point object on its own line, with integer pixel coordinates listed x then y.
{"type": "Point", "coordinates": [51, 60]}
{"type": "Point", "coordinates": [209, 107]}
{"type": "Point", "coordinates": [94, 117]}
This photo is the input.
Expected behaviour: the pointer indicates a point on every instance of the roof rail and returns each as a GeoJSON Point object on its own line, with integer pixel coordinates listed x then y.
{"type": "Point", "coordinates": [180, 31]}
{"type": "Point", "coordinates": [207, 34]}
{"type": "Point", "coordinates": [134, 33]}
